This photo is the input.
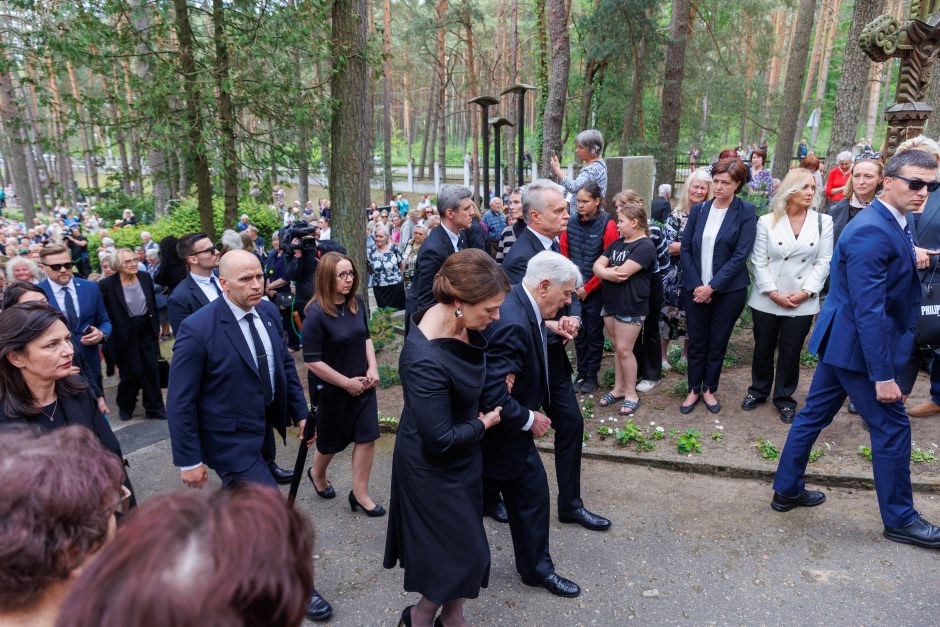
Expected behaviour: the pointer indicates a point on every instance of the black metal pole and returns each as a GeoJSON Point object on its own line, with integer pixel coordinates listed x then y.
{"type": "Point", "coordinates": [485, 102]}
{"type": "Point", "coordinates": [520, 91]}
{"type": "Point", "coordinates": [498, 124]}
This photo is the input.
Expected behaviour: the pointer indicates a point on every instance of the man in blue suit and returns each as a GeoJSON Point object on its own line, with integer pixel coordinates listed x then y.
{"type": "Point", "coordinates": [79, 300]}
{"type": "Point", "coordinates": [864, 334]}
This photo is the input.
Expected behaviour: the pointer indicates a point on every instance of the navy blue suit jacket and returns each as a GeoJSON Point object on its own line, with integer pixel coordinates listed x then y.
{"type": "Point", "coordinates": [526, 246]}
{"type": "Point", "coordinates": [868, 321]}
{"type": "Point", "coordinates": [186, 299]}
{"type": "Point", "coordinates": [434, 252]}
{"type": "Point", "coordinates": [215, 402]}
{"type": "Point", "coordinates": [732, 247]}
{"type": "Point", "coordinates": [91, 311]}
{"type": "Point", "coordinates": [514, 346]}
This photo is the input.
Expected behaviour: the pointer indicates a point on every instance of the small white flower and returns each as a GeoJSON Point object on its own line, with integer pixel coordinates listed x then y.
{"type": "Point", "coordinates": [613, 419]}
{"type": "Point", "coordinates": [660, 429]}
{"type": "Point", "coordinates": [720, 427]}
{"type": "Point", "coordinates": [652, 424]}
{"type": "Point", "coordinates": [717, 422]}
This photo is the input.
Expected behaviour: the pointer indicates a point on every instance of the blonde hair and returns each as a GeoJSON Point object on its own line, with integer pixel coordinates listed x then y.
{"type": "Point", "coordinates": [699, 174]}
{"type": "Point", "coordinates": [792, 183]}
{"type": "Point", "coordinates": [629, 204]}
{"type": "Point", "coordinates": [920, 142]}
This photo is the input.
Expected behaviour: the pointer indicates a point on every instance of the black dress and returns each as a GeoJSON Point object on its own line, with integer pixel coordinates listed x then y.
{"type": "Point", "coordinates": [340, 343]}
{"type": "Point", "coordinates": [435, 523]}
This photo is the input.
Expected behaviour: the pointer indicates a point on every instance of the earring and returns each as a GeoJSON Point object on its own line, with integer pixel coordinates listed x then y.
{"type": "Point", "coordinates": [458, 313]}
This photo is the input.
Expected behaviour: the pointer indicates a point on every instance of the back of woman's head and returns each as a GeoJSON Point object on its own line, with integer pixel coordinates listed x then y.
{"type": "Point", "coordinates": [233, 557]}
{"type": "Point", "coordinates": [169, 256]}
{"type": "Point", "coordinates": [470, 276]}
{"type": "Point", "coordinates": [630, 205]}
{"type": "Point", "coordinates": [15, 290]}
{"type": "Point", "coordinates": [56, 489]}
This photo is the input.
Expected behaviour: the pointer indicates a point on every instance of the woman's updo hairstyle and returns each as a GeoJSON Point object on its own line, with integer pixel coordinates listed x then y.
{"type": "Point", "coordinates": [470, 276]}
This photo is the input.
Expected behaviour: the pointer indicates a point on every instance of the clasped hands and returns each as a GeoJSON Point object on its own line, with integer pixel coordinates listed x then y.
{"type": "Point", "coordinates": [788, 301]}
{"type": "Point", "coordinates": [355, 386]}
{"type": "Point", "coordinates": [566, 327]}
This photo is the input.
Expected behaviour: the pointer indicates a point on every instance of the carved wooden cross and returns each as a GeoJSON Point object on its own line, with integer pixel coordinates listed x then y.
{"type": "Point", "coordinates": [916, 44]}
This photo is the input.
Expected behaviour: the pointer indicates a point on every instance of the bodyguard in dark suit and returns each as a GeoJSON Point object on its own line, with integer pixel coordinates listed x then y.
{"type": "Point", "coordinates": [79, 300]}
{"type": "Point", "coordinates": [864, 335]}
{"type": "Point", "coordinates": [232, 381]}
{"type": "Point", "coordinates": [546, 215]}
{"type": "Point", "coordinates": [517, 347]}
{"type": "Point", "coordinates": [201, 285]}
{"type": "Point", "coordinates": [456, 208]}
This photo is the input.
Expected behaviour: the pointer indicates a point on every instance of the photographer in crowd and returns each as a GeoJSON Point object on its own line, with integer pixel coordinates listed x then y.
{"type": "Point", "coordinates": [300, 244]}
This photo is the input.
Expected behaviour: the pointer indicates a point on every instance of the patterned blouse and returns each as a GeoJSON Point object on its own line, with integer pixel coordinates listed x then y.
{"type": "Point", "coordinates": [386, 266]}
{"type": "Point", "coordinates": [595, 171]}
{"type": "Point", "coordinates": [675, 224]}
{"type": "Point", "coordinates": [761, 182]}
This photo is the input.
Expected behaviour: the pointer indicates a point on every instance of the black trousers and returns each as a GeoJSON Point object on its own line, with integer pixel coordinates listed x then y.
{"type": "Point", "coordinates": [589, 343]}
{"type": "Point", "coordinates": [527, 504]}
{"type": "Point", "coordinates": [563, 410]}
{"type": "Point", "coordinates": [140, 371]}
{"type": "Point", "coordinates": [287, 323]}
{"type": "Point", "coordinates": [648, 349]}
{"type": "Point", "coordinates": [783, 335]}
{"type": "Point", "coordinates": [710, 326]}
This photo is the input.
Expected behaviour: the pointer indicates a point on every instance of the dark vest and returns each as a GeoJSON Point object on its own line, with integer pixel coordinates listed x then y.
{"type": "Point", "coordinates": [586, 242]}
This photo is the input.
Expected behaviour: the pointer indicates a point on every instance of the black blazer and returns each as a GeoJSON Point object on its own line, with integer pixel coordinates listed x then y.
{"type": "Point", "coordinates": [185, 300]}
{"type": "Point", "coordinates": [434, 252]}
{"type": "Point", "coordinates": [526, 246]}
{"type": "Point", "coordinates": [732, 247]}
{"type": "Point", "coordinates": [660, 209]}
{"type": "Point", "coordinates": [115, 303]}
{"type": "Point", "coordinates": [514, 345]}
{"type": "Point", "coordinates": [477, 236]}
{"type": "Point", "coordinates": [927, 227]}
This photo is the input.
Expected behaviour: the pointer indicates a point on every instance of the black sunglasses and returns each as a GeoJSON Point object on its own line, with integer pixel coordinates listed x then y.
{"type": "Point", "coordinates": [211, 249]}
{"type": "Point", "coordinates": [55, 267]}
{"type": "Point", "coordinates": [915, 185]}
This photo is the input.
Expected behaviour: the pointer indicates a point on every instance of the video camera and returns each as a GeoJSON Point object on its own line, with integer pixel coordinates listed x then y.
{"type": "Point", "coordinates": [299, 230]}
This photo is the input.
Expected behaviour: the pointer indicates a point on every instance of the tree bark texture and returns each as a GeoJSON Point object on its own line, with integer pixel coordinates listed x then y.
{"type": "Point", "coordinates": [557, 16]}
{"type": "Point", "coordinates": [387, 97]}
{"type": "Point", "coordinates": [442, 85]}
{"type": "Point", "coordinates": [796, 74]}
{"type": "Point", "coordinates": [12, 122]}
{"type": "Point", "coordinates": [226, 117]}
{"type": "Point", "coordinates": [679, 29]}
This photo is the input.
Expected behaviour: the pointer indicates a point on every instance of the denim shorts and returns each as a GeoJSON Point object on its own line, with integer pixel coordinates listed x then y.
{"type": "Point", "coordinates": [635, 320]}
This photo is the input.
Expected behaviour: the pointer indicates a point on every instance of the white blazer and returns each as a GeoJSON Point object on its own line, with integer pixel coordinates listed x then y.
{"type": "Point", "coordinates": [789, 264]}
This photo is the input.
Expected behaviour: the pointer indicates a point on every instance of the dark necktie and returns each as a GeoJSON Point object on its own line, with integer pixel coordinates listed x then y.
{"type": "Point", "coordinates": [910, 238]}
{"type": "Point", "coordinates": [70, 312]}
{"type": "Point", "coordinates": [459, 243]}
{"type": "Point", "coordinates": [555, 248]}
{"type": "Point", "coordinates": [218, 290]}
{"type": "Point", "coordinates": [262, 358]}
{"type": "Point", "coordinates": [543, 332]}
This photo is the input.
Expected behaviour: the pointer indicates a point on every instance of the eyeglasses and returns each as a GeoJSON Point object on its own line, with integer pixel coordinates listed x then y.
{"type": "Point", "coordinates": [211, 249]}
{"type": "Point", "coordinates": [129, 262]}
{"type": "Point", "coordinates": [915, 185]}
{"type": "Point", "coordinates": [123, 503]}
{"type": "Point", "coordinates": [55, 267]}
{"type": "Point", "coordinates": [345, 276]}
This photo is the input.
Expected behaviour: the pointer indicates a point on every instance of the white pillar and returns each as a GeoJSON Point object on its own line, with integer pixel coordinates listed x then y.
{"type": "Point", "coordinates": [466, 174]}
{"type": "Point", "coordinates": [437, 177]}
{"type": "Point", "coordinates": [411, 177]}
{"type": "Point", "coordinates": [535, 171]}
{"type": "Point", "coordinates": [570, 171]}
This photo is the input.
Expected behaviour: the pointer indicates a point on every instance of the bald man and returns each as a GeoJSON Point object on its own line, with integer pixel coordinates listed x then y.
{"type": "Point", "coordinates": [232, 381]}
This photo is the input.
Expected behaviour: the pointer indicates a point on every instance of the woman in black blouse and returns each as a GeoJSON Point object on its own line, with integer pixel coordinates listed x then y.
{"type": "Point", "coordinates": [338, 351]}
{"type": "Point", "coordinates": [435, 529]}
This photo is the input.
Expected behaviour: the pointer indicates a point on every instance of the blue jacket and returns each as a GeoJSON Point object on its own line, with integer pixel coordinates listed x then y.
{"type": "Point", "coordinates": [868, 321]}
{"type": "Point", "coordinates": [215, 402]}
{"type": "Point", "coordinates": [732, 247]}
{"type": "Point", "coordinates": [91, 311]}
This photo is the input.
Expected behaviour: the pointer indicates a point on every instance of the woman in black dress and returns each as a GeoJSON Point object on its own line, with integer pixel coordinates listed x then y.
{"type": "Point", "coordinates": [435, 529]}
{"type": "Point", "coordinates": [338, 352]}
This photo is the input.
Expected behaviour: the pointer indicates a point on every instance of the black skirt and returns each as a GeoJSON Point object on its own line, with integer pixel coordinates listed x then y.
{"type": "Point", "coordinates": [390, 295]}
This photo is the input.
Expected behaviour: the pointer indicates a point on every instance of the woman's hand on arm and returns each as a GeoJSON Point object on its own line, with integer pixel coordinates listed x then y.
{"type": "Point", "coordinates": [490, 419]}
{"type": "Point", "coordinates": [674, 248]}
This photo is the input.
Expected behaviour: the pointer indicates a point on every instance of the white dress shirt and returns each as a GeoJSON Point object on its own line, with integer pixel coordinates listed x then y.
{"type": "Point", "coordinates": [454, 237]}
{"type": "Point", "coordinates": [544, 239]}
{"type": "Point", "coordinates": [205, 284]}
{"type": "Point", "coordinates": [59, 291]}
{"type": "Point", "coordinates": [900, 217]}
{"type": "Point", "coordinates": [709, 237]}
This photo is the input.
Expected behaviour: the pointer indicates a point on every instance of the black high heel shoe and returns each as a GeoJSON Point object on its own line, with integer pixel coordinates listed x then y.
{"type": "Point", "coordinates": [375, 512]}
{"type": "Point", "coordinates": [329, 493]}
{"type": "Point", "coordinates": [405, 617]}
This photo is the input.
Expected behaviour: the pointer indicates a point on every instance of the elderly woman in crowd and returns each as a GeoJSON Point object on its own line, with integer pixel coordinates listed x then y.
{"type": "Point", "coordinates": [838, 176]}
{"type": "Point", "coordinates": [791, 262]}
{"type": "Point", "coordinates": [408, 228]}
{"type": "Point", "coordinates": [385, 264]}
{"type": "Point", "coordinates": [230, 240]}
{"type": "Point", "coordinates": [761, 178]}
{"type": "Point", "coordinates": [861, 187]}
{"type": "Point", "coordinates": [59, 494]}
{"type": "Point", "coordinates": [24, 269]}
{"type": "Point", "coordinates": [419, 234]}
{"type": "Point", "coordinates": [588, 147]}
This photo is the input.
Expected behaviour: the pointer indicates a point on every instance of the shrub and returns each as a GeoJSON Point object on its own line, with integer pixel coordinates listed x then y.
{"type": "Point", "coordinates": [388, 376]}
{"type": "Point", "coordinates": [382, 327]}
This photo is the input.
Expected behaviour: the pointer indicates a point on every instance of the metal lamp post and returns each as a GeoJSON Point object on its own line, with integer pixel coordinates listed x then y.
{"type": "Point", "coordinates": [520, 90]}
{"type": "Point", "coordinates": [498, 123]}
{"type": "Point", "coordinates": [485, 103]}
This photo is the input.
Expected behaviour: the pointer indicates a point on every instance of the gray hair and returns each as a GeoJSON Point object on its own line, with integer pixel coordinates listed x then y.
{"type": "Point", "coordinates": [533, 196]}
{"type": "Point", "coordinates": [845, 155]}
{"type": "Point", "coordinates": [152, 253]}
{"type": "Point", "coordinates": [147, 233]}
{"type": "Point", "coordinates": [592, 139]}
{"type": "Point", "coordinates": [107, 242]}
{"type": "Point", "coordinates": [420, 227]}
{"type": "Point", "coordinates": [432, 222]}
{"type": "Point", "coordinates": [553, 267]}
{"type": "Point", "coordinates": [29, 263]}
{"type": "Point", "coordinates": [665, 190]}
{"type": "Point", "coordinates": [450, 196]}
{"type": "Point", "coordinates": [231, 239]}
{"type": "Point", "coordinates": [910, 158]}
{"type": "Point", "coordinates": [379, 227]}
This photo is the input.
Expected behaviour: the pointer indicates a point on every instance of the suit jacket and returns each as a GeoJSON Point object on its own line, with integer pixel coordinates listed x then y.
{"type": "Point", "coordinates": [660, 209]}
{"type": "Point", "coordinates": [215, 402]}
{"type": "Point", "coordinates": [185, 300]}
{"type": "Point", "coordinates": [113, 294]}
{"type": "Point", "coordinates": [927, 231]}
{"type": "Point", "coordinates": [434, 252]}
{"type": "Point", "coordinates": [526, 246]}
{"type": "Point", "coordinates": [514, 345]}
{"type": "Point", "coordinates": [789, 264]}
{"type": "Point", "coordinates": [868, 321]}
{"type": "Point", "coordinates": [732, 247]}
{"type": "Point", "coordinates": [842, 212]}
{"type": "Point", "coordinates": [91, 311]}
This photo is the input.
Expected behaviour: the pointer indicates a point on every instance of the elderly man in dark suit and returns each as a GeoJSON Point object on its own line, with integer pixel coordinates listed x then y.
{"type": "Point", "coordinates": [517, 349]}
{"type": "Point", "coordinates": [546, 215]}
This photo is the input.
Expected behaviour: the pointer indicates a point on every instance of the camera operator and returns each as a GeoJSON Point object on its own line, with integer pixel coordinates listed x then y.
{"type": "Point", "coordinates": [300, 243]}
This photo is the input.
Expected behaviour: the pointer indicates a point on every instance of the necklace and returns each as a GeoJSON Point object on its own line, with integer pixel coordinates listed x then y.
{"type": "Point", "coordinates": [54, 407]}
{"type": "Point", "coordinates": [343, 312]}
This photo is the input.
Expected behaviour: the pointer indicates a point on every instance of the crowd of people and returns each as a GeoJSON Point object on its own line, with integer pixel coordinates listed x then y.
{"type": "Point", "coordinates": [491, 302]}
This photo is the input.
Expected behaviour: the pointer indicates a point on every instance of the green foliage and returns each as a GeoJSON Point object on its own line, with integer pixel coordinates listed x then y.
{"type": "Point", "coordinates": [604, 431]}
{"type": "Point", "coordinates": [608, 346]}
{"type": "Point", "coordinates": [680, 388]}
{"type": "Point", "coordinates": [816, 454]}
{"type": "Point", "coordinates": [587, 408]}
{"type": "Point", "coordinates": [921, 456]}
{"type": "Point", "coordinates": [717, 436]}
{"type": "Point", "coordinates": [111, 207]}
{"type": "Point", "coordinates": [865, 451]}
{"type": "Point", "coordinates": [633, 433]}
{"type": "Point", "coordinates": [731, 356]}
{"type": "Point", "coordinates": [388, 420]}
{"type": "Point", "coordinates": [388, 376]}
{"type": "Point", "coordinates": [608, 377]}
{"type": "Point", "coordinates": [382, 327]}
{"type": "Point", "coordinates": [767, 450]}
{"type": "Point", "coordinates": [808, 360]}
{"type": "Point", "coordinates": [690, 441]}
{"type": "Point", "coordinates": [658, 433]}
{"type": "Point", "coordinates": [676, 361]}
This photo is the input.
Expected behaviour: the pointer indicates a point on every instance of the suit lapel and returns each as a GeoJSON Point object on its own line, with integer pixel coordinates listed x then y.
{"type": "Point", "coordinates": [197, 292]}
{"type": "Point", "coordinates": [896, 228]}
{"type": "Point", "coordinates": [232, 329]}
{"type": "Point", "coordinates": [730, 218]}
{"type": "Point", "coordinates": [534, 329]}
{"type": "Point", "coordinates": [117, 291]}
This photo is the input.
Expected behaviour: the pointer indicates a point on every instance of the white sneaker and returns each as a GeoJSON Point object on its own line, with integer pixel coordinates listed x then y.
{"type": "Point", "coordinates": [666, 366]}
{"type": "Point", "coordinates": [646, 386]}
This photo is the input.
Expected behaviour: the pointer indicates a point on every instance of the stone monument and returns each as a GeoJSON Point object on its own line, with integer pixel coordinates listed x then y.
{"type": "Point", "coordinates": [636, 173]}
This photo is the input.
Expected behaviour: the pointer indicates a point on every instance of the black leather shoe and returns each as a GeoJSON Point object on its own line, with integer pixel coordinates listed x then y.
{"type": "Point", "coordinates": [124, 416]}
{"type": "Point", "coordinates": [751, 402]}
{"type": "Point", "coordinates": [375, 512]}
{"type": "Point", "coordinates": [588, 386]}
{"type": "Point", "coordinates": [687, 409]}
{"type": "Point", "coordinates": [852, 409]}
{"type": "Point", "coordinates": [919, 533]}
{"type": "Point", "coordinates": [787, 414]}
{"type": "Point", "coordinates": [329, 493]}
{"type": "Point", "coordinates": [280, 475]}
{"type": "Point", "coordinates": [497, 512]}
{"type": "Point", "coordinates": [318, 609]}
{"type": "Point", "coordinates": [809, 498]}
{"type": "Point", "coordinates": [155, 416]}
{"type": "Point", "coordinates": [713, 409]}
{"type": "Point", "coordinates": [586, 519]}
{"type": "Point", "coordinates": [559, 586]}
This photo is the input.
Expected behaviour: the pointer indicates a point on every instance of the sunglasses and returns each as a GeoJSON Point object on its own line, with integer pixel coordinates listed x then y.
{"type": "Point", "coordinates": [211, 249]}
{"type": "Point", "coordinates": [55, 267]}
{"type": "Point", "coordinates": [915, 185]}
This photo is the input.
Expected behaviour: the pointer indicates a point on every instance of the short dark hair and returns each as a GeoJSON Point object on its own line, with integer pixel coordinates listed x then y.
{"type": "Point", "coordinates": [910, 159]}
{"type": "Point", "coordinates": [183, 559]}
{"type": "Point", "coordinates": [759, 153]}
{"type": "Point", "coordinates": [471, 276]}
{"type": "Point", "coordinates": [735, 168]}
{"type": "Point", "coordinates": [187, 243]}
{"type": "Point", "coordinates": [55, 491]}
{"type": "Point", "coordinates": [15, 291]}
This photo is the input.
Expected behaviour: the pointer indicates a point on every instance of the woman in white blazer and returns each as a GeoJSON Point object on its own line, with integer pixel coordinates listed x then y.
{"type": "Point", "coordinates": [791, 262]}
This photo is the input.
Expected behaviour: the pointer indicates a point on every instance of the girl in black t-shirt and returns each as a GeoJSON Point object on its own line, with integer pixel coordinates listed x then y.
{"type": "Point", "coordinates": [625, 269]}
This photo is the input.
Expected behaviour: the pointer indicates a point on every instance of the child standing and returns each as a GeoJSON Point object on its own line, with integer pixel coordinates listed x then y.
{"type": "Point", "coordinates": [625, 270]}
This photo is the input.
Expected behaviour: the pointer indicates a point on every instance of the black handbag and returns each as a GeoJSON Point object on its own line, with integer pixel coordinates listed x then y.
{"type": "Point", "coordinates": [164, 366]}
{"type": "Point", "coordinates": [928, 322]}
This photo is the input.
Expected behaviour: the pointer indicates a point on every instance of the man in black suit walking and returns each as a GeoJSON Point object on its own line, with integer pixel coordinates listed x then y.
{"type": "Point", "coordinates": [546, 215]}
{"type": "Point", "coordinates": [517, 348]}
{"type": "Point", "coordinates": [201, 287]}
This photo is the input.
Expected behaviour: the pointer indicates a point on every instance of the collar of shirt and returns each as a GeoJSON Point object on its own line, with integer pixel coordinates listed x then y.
{"type": "Point", "coordinates": [202, 280]}
{"type": "Point", "coordinates": [900, 217]}
{"type": "Point", "coordinates": [535, 305]}
{"type": "Point", "coordinates": [237, 311]}
{"type": "Point", "coordinates": [59, 288]}
{"type": "Point", "coordinates": [546, 241]}
{"type": "Point", "coordinates": [454, 237]}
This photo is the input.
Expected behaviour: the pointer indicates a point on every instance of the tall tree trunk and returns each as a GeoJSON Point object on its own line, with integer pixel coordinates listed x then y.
{"type": "Point", "coordinates": [557, 15]}
{"type": "Point", "coordinates": [350, 128]}
{"type": "Point", "coordinates": [855, 66]}
{"type": "Point", "coordinates": [442, 85]}
{"type": "Point", "coordinates": [823, 76]}
{"type": "Point", "coordinates": [474, 92]}
{"type": "Point", "coordinates": [679, 29]}
{"type": "Point", "coordinates": [635, 106]}
{"type": "Point", "coordinates": [510, 131]}
{"type": "Point", "coordinates": [184, 34]}
{"type": "Point", "coordinates": [815, 60]}
{"type": "Point", "coordinates": [87, 137]}
{"type": "Point", "coordinates": [933, 99]}
{"type": "Point", "coordinates": [428, 125]}
{"type": "Point", "coordinates": [875, 82]}
{"type": "Point", "coordinates": [538, 119]}
{"type": "Point", "coordinates": [387, 97]}
{"type": "Point", "coordinates": [406, 102]}
{"type": "Point", "coordinates": [226, 117]}
{"type": "Point", "coordinates": [61, 134]}
{"type": "Point", "coordinates": [12, 123]}
{"type": "Point", "coordinates": [796, 74]}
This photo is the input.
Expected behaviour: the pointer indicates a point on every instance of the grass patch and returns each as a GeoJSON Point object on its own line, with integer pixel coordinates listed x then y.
{"type": "Point", "coordinates": [388, 376]}
{"type": "Point", "coordinates": [767, 450]}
